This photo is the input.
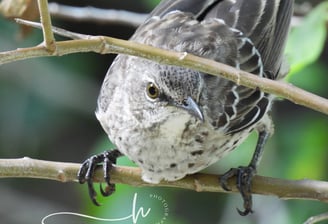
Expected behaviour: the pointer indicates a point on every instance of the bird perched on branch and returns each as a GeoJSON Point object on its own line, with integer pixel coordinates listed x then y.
{"type": "Point", "coordinates": [173, 121]}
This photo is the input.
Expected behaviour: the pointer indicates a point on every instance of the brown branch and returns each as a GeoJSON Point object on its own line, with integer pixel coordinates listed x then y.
{"type": "Point", "coordinates": [104, 45]}
{"type": "Point", "coordinates": [48, 36]}
{"type": "Point", "coordinates": [66, 172]}
{"type": "Point", "coordinates": [92, 14]}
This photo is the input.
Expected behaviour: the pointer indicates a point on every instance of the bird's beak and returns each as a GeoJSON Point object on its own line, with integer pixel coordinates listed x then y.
{"type": "Point", "coordinates": [192, 107]}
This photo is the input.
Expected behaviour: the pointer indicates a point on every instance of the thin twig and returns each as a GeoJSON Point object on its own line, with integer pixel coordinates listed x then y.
{"type": "Point", "coordinates": [317, 218]}
{"type": "Point", "coordinates": [90, 14]}
{"type": "Point", "coordinates": [48, 36]}
{"type": "Point", "coordinates": [56, 30]}
{"type": "Point", "coordinates": [66, 172]}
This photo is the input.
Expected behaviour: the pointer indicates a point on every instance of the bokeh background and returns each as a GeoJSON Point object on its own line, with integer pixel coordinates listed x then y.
{"type": "Point", "coordinates": [47, 112]}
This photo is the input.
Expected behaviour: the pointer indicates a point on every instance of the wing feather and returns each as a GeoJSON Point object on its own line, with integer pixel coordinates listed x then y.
{"type": "Point", "coordinates": [247, 34]}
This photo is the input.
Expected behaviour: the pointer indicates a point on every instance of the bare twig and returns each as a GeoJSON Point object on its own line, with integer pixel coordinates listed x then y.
{"type": "Point", "coordinates": [66, 172]}
{"type": "Point", "coordinates": [48, 36]}
{"type": "Point", "coordinates": [317, 218]}
{"type": "Point", "coordinates": [56, 30]}
{"type": "Point", "coordinates": [96, 14]}
{"type": "Point", "coordinates": [104, 45]}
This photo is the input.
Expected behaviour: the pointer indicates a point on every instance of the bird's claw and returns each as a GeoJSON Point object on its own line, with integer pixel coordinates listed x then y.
{"type": "Point", "coordinates": [244, 177]}
{"type": "Point", "coordinates": [87, 170]}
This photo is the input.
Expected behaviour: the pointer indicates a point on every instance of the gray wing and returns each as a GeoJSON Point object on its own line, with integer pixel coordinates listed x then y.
{"type": "Point", "coordinates": [247, 34]}
{"type": "Point", "coordinates": [263, 26]}
{"type": "Point", "coordinates": [265, 22]}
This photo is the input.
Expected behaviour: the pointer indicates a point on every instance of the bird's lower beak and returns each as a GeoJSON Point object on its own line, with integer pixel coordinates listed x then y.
{"type": "Point", "coordinates": [192, 107]}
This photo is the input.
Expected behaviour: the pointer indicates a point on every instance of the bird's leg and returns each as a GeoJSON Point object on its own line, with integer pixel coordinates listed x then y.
{"type": "Point", "coordinates": [87, 170]}
{"type": "Point", "coordinates": [244, 174]}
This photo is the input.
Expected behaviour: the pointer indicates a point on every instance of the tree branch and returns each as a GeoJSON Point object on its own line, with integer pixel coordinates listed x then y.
{"type": "Point", "coordinates": [105, 45]}
{"type": "Point", "coordinates": [67, 172]}
{"type": "Point", "coordinates": [48, 36]}
{"type": "Point", "coordinates": [317, 218]}
{"type": "Point", "coordinates": [96, 14]}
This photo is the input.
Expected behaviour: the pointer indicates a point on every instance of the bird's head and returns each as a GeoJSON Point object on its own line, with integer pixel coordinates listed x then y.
{"type": "Point", "coordinates": [159, 91]}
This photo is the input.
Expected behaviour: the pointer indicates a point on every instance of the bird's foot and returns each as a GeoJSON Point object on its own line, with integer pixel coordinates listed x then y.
{"type": "Point", "coordinates": [244, 177]}
{"type": "Point", "coordinates": [87, 170]}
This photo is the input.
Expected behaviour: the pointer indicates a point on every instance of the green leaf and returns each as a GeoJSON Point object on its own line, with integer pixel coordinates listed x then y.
{"type": "Point", "coordinates": [305, 43]}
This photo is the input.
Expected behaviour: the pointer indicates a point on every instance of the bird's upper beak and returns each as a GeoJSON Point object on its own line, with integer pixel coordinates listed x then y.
{"type": "Point", "coordinates": [192, 107]}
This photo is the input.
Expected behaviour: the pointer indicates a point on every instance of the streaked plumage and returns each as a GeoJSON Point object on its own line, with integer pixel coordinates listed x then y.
{"type": "Point", "coordinates": [195, 118]}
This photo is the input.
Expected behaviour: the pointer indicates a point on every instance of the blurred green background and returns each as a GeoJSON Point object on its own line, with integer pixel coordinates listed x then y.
{"type": "Point", "coordinates": [47, 112]}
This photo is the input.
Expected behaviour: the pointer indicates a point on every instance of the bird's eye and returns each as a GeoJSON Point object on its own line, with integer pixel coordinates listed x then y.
{"type": "Point", "coordinates": [152, 91]}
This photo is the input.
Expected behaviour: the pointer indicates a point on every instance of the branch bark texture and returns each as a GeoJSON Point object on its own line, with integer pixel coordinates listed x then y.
{"type": "Point", "coordinates": [67, 172]}
{"type": "Point", "coordinates": [105, 45]}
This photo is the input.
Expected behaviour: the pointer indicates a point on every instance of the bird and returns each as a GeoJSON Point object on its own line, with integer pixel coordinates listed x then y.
{"type": "Point", "coordinates": [174, 121]}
